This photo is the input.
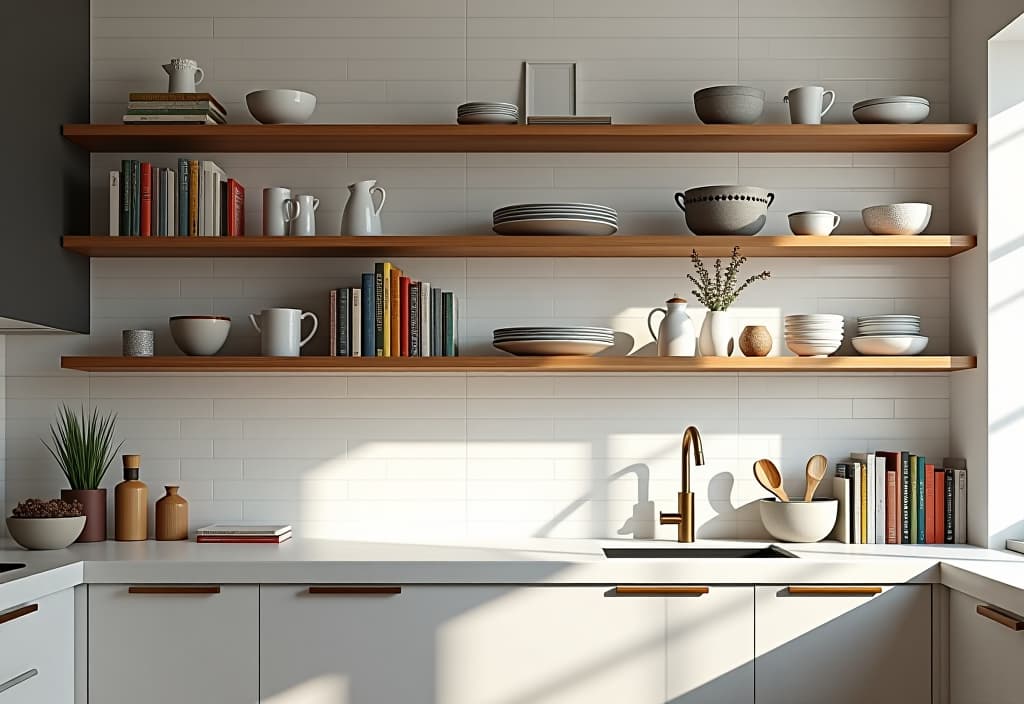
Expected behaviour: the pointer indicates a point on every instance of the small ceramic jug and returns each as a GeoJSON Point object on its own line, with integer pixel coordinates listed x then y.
{"type": "Point", "coordinates": [361, 216]}
{"type": "Point", "coordinates": [676, 336]}
{"type": "Point", "coordinates": [183, 75]}
{"type": "Point", "coordinates": [280, 331]}
{"type": "Point", "coordinates": [301, 213]}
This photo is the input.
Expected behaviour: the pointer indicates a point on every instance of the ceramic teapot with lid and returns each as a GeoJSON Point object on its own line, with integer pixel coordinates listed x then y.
{"type": "Point", "coordinates": [676, 336]}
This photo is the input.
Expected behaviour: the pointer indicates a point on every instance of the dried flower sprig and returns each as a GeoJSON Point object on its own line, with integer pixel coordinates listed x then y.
{"type": "Point", "coordinates": [723, 291]}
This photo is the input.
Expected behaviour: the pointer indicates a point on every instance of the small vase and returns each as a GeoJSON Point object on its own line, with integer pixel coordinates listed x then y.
{"type": "Point", "coordinates": [94, 504]}
{"type": "Point", "coordinates": [172, 516]}
{"type": "Point", "coordinates": [717, 338]}
{"type": "Point", "coordinates": [755, 341]}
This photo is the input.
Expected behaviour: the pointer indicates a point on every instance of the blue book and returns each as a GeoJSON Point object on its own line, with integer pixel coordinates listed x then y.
{"type": "Point", "coordinates": [922, 510]}
{"type": "Point", "coordinates": [182, 200]}
{"type": "Point", "coordinates": [369, 346]}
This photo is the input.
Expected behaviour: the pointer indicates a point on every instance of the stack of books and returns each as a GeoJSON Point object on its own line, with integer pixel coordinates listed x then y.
{"type": "Point", "coordinates": [889, 497]}
{"type": "Point", "coordinates": [174, 109]}
{"type": "Point", "coordinates": [393, 315]}
{"type": "Point", "coordinates": [197, 199]}
{"type": "Point", "coordinates": [243, 533]}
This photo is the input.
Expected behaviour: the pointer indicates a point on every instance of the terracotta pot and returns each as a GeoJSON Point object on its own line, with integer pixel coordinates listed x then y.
{"type": "Point", "coordinates": [755, 341]}
{"type": "Point", "coordinates": [172, 516]}
{"type": "Point", "coordinates": [94, 501]}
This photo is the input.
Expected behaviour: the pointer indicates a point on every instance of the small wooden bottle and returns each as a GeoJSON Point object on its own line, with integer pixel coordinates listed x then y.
{"type": "Point", "coordinates": [172, 516]}
{"type": "Point", "coordinates": [131, 502]}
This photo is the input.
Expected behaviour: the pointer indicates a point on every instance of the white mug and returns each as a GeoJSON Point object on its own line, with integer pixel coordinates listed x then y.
{"type": "Point", "coordinates": [301, 212]}
{"type": "Point", "coordinates": [280, 331]}
{"type": "Point", "coordinates": [275, 215]}
{"type": "Point", "coordinates": [805, 104]}
{"type": "Point", "coordinates": [183, 75]}
{"type": "Point", "coordinates": [820, 223]}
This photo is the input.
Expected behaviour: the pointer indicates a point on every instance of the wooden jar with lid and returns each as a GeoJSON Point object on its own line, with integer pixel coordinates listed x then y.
{"type": "Point", "coordinates": [131, 503]}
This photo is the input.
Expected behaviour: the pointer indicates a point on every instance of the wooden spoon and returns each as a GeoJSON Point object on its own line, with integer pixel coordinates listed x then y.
{"type": "Point", "coordinates": [817, 468]}
{"type": "Point", "coordinates": [768, 476]}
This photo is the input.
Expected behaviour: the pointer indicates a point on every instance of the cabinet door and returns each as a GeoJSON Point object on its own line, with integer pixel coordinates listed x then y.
{"type": "Point", "coordinates": [165, 645]}
{"type": "Point", "coordinates": [986, 659]}
{"type": "Point", "coordinates": [461, 645]}
{"type": "Point", "coordinates": [711, 647]}
{"type": "Point", "coordinates": [37, 651]}
{"type": "Point", "coordinates": [844, 649]}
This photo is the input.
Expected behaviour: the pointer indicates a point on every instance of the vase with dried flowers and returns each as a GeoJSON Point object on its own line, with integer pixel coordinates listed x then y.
{"type": "Point", "coordinates": [717, 293]}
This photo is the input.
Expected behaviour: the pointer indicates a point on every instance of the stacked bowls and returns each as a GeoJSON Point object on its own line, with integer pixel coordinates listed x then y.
{"type": "Point", "coordinates": [892, 110]}
{"type": "Point", "coordinates": [889, 335]}
{"type": "Point", "coordinates": [556, 219]}
{"type": "Point", "coordinates": [729, 105]}
{"type": "Point", "coordinates": [488, 113]}
{"type": "Point", "coordinates": [814, 335]}
{"type": "Point", "coordinates": [554, 340]}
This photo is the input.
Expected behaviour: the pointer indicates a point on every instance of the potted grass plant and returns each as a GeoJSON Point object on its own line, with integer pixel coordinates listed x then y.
{"type": "Point", "coordinates": [83, 446]}
{"type": "Point", "coordinates": [717, 292]}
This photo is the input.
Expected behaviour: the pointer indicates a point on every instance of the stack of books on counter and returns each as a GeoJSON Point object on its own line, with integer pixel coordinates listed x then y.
{"type": "Point", "coordinates": [195, 200]}
{"type": "Point", "coordinates": [174, 109]}
{"type": "Point", "coordinates": [243, 533]}
{"type": "Point", "coordinates": [393, 315]}
{"type": "Point", "coordinates": [899, 498]}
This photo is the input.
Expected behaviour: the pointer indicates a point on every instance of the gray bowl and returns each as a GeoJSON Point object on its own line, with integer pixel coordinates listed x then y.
{"type": "Point", "coordinates": [729, 105]}
{"type": "Point", "coordinates": [725, 210]}
{"type": "Point", "coordinates": [45, 533]}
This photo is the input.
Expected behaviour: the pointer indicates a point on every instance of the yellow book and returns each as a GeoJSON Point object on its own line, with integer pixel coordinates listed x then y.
{"type": "Point", "coordinates": [864, 503]}
{"type": "Point", "coordinates": [396, 311]}
{"type": "Point", "coordinates": [386, 290]}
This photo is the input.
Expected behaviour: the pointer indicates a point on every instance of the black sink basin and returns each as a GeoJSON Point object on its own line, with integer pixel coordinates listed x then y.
{"type": "Point", "coordinates": [8, 566]}
{"type": "Point", "coordinates": [696, 553]}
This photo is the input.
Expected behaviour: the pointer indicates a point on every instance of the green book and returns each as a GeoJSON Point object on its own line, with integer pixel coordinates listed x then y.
{"type": "Point", "coordinates": [448, 305]}
{"type": "Point", "coordinates": [922, 509]}
{"type": "Point", "coordinates": [914, 499]}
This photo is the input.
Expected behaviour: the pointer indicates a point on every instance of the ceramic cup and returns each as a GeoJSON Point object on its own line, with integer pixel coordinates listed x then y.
{"type": "Point", "coordinates": [137, 343]}
{"type": "Point", "coordinates": [301, 212]}
{"type": "Point", "coordinates": [805, 104]}
{"type": "Point", "coordinates": [280, 331]}
{"type": "Point", "coordinates": [183, 75]}
{"type": "Point", "coordinates": [821, 223]}
{"type": "Point", "coordinates": [275, 213]}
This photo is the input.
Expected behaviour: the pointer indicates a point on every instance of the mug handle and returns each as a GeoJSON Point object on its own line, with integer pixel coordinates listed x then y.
{"type": "Point", "coordinates": [835, 222]}
{"type": "Point", "coordinates": [316, 204]}
{"type": "Point", "coordinates": [308, 337]}
{"type": "Point", "coordinates": [287, 205]}
{"type": "Point", "coordinates": [651, 315]}
{"type": "Point", "coordinates": [199, 75]}
{"type": "Point", "coordinates": [679, 201]}
{"type": "Point", "coordinates": [785, 99]}
{"type": "Point", "coordinates": [383, 195]}
{"type": "Point", "coordinates": [771, 199]}
{"type": "Point", "coordinates": [252, 319]}
{"type": "Point", "coordinates": [831, 101]}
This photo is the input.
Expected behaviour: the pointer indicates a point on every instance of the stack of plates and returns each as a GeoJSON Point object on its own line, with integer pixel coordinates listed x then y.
{"type": "Point", "coordinates": [814, 335]}
{"type": "Point", "coordinates": [889, 335]}
{"type": "Point", "coordinates": [556, 219]}
{"type": "Point", "coordinates": [486, 113]}
{"type": "Point", "coordinates": [554, 340]}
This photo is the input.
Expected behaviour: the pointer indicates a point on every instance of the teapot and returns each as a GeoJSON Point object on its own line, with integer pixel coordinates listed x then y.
{"type": "Point", "coordinates": [676, 336]}
{"type": "Point", "coordinates": [183, 75]}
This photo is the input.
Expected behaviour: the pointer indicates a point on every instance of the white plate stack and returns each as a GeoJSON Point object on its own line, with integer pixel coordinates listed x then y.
{"type": "Point", "coordinates": [488, 113]}
{"type": "Point", "coordinates": [814, 334]}
{"type": "Point", "coordinates": [554, 341]}
{"type": "Point", "coordinates": [556, 219]}
{"type": "Point", "coordinates": [889, 335]}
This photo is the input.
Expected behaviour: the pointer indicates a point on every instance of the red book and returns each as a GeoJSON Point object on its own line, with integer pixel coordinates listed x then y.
{"type": "Point", "coordinates": [145, 199]}
{"type": "Point", "coordinates": [243, 538]}
{"type": "Point", "coordinates": [236, 209]}
{"type": "Point", "coordinates": [929, 503]}
{"type": "Point", "coordinates": [404, 340]}
{"type": "Point", "coordinates": [892, 496]}
{"type": "Point", "coordinates": [939, 506]}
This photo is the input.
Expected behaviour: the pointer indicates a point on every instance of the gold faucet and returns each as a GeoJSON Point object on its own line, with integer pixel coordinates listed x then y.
{"type": "Point", "coordinates": [684, 518]}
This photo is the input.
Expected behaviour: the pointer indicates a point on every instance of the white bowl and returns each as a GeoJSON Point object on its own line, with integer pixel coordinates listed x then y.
{"type": "Point", "coordinates": [815, 318]}
{"type": "Point", "coordinates": [200, 335]}
{"type": "Point", "coordinates": [799, 521]}
{"type": "Point", "coordinates": [897, 218]}
{"type": "Point", "coordinates": [890, 345]}
{"type": "Point", "coordinates": [812, 349]}
{"type": "Point", "coordinates": [898, 109]}
{"type": "Point", "coordinates": [814, 223]}
{"type": "Point", "coordinates": [280, 105]}
{"type": "Point", "coordinates": [45, 533]}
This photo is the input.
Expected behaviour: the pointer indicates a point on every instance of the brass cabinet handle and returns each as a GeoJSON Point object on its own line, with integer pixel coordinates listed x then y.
{"type": "Point", "coordinates": [18, 613]}
{"type": "Point", "coordinates": [357, 590]}
{"type": "Point", "coordinates": [15, 681]}
{"type": "Point", "coordinates": [834, 591]}
{"type": "Point", "coordinates": [1002, 617]}
{"type": "Point", "coordinates": [635, 590]}
{"type": "Point", "coordinates": [173, 590]}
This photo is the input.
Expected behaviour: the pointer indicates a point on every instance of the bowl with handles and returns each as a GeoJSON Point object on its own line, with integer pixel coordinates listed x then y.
{"type": "Point", "coordinates": [725, 210]}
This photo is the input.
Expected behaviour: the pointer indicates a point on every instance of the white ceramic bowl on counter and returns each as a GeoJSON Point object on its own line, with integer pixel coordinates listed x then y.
{"type": "Point", "coordinates": [277, 106]}
{"type": "Point", "coordinates": [799, 521]}
{"type": "Point", "coordinates": [45, 533]}
{"type": "Point", "coordinates": [897, 218]}
{"type": "Point", "coordinates": [200, 335]}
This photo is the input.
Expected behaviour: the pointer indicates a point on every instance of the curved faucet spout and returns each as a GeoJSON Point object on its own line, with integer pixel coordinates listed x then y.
{"type": "Point", "coordinates": [691, 438]}
{"type": "Point", "coordinates": [683, 517]}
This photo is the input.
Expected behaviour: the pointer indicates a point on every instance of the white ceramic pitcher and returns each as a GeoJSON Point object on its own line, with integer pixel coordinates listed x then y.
{"type": "Point", "coordinates": [361, 216]}
{"type": "Point", "coordinates": [183, 75]}
{"type": "Point", "coordinates": [301, 213]}
{"type": "Point", "coordinates": [280, 331]}
{"type": "Point", "coordinates": [676, 336]}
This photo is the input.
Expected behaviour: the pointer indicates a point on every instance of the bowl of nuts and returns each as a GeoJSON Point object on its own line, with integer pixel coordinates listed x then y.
{"type": "Point", "coordinates": [38, 524]}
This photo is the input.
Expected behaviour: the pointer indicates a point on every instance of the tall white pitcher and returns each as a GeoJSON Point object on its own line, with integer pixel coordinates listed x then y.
{"type": "Point", "coordinates": [362, 216]}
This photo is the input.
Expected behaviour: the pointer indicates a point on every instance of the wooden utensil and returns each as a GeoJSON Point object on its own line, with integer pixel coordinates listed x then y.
{"type": "Point", "coordinates": [817, 468]}
{"type": "Point", "coordinates": [768, 476]}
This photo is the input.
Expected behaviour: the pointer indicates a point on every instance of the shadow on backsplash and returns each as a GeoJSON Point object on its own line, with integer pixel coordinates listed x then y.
{"type": "Point", "coordinates": [723, 524]}
{"type": "Point", "coordinates": [640, 525]}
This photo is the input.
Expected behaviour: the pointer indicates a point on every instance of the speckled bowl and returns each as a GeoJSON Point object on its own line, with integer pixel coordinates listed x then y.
{"type": "Point", "coordinates": [897, 218]}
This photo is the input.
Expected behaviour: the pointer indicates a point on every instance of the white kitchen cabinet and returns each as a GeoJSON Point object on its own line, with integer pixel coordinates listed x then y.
{"type": "Point", "coordinates": [463, 645]}
{"type": "Point", "coordinates": [843, 648]}
{"type": "Point", "coordinates": [172, 644]}
{"type": "Point", "coordinates": [986, 658]}
{"type": "Point", "coordinates": [37, 651]}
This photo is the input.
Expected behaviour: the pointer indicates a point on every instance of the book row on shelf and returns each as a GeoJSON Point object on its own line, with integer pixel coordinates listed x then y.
{"type": "Point", "coordinates": [895, 497]}
{"type": "Point", "coordinates": [196, 199]}
{"type": "Point", "coordinates": [390, 314]}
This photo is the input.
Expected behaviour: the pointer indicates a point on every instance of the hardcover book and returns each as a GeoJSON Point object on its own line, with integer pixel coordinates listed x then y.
{"type": "Point", "coordinates": [369, 314]}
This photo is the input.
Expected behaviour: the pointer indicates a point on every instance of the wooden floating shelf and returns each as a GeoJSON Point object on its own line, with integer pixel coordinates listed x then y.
{"type": "Point", "coordinates": [532, 246]}
{"type": "Point", "coordinates": [617, 365]}
{"type": "Point", "coordinates": [520, 138]}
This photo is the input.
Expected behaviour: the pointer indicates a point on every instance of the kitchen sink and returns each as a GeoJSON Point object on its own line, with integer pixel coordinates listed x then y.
{"type": "Point", "coordinates": [9, 566]}
{"type": "Point", "coordinates": [696, 553]}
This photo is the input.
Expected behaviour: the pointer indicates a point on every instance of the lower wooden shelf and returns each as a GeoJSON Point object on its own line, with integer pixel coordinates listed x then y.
{"type": "Point", "coordinates": [616, 365]}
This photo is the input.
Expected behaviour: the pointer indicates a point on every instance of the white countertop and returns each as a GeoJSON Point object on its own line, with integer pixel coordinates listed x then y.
{"type": "Point", "coordinates": [986, 574]}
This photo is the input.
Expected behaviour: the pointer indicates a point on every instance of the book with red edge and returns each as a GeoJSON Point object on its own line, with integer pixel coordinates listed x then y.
{"type": "Point", "coordinates": [244, 539]}
{"type": "Point", "coordinates": [145, 199]}
{"type": "Point", "coordinates": [235, 209]}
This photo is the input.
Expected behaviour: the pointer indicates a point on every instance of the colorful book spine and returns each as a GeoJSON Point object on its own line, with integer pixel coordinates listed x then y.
{"type": "Point", "coordinates": [913, 499]}
{"type": "Point", "coordinates": [385, 325]}
{"type": "Point", "coordinates": [194, 181]}
{"type": "Point", "coordinates": [378, 310]}
{"type": "Point", "coordinates": [114, 219]}
{"type": "Point", "coordinates": [145, 199]}
{"type": "Point", "coordinates": [404, 322]}
{"type": "Point", "coordinates": [125, 225]}
{"type": "Point", "coordinates": [344, 306]}
{"type": "Point", "coordinates": [922, 502]}
{"type": "Point", "coordinates": [892, 500]}
{"type": "Point", "coordinates": [841, 492]}
{"type": "Point", "coordinates": [437, 319]}
{"type": "Point", "coordinates": [905, 498]}
{"type": "Point", "coordinates": [949, 491]}
{"type": "Point", "coordinates": [879, 465]}
{"type": "Point", "coordinates": [938, 504]}
{"type": "Point", "coordinates": [161, 203]}
{"type": "Point", "coordinates": [369, 313]}
{"type": "Point", "coordinates": [865, 503]}
{"type": "Point", "coordinates": [355, 322]}
{"type": "Point", "coordinates": [235, 209]}
{"type": "Point", "coordinates": [449, 323]}
{"type": "Point", "coordinates": [425, 320]}
{"type": "Point", "coordinates": [182, 198]}
{"type": "Point", "coordinates": [396, 311]}
{"type": "Point", "coordinates": [136, 191]}
{"type": "Point", "coordinates": [855, 505]}
{"type": "Point", "coordinates": [415, 293]}
{"type": "Point", "coordinates": [929, 504]}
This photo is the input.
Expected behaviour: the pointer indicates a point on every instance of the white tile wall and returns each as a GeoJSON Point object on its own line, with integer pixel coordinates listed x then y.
{"type": "Point", "coordinates": [480, 456]}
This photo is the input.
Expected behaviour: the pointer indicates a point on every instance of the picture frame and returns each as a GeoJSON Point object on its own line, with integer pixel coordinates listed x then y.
{"type": "Point", "coordinates": [550, 88]}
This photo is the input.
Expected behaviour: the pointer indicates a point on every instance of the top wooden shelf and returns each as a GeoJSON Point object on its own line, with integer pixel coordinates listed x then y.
{"type": "Point", "coordinates": [520, 138]}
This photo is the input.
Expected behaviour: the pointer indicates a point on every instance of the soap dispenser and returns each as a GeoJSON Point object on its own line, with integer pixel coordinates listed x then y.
{"type": "Point", "coordinates": [131, 503]}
